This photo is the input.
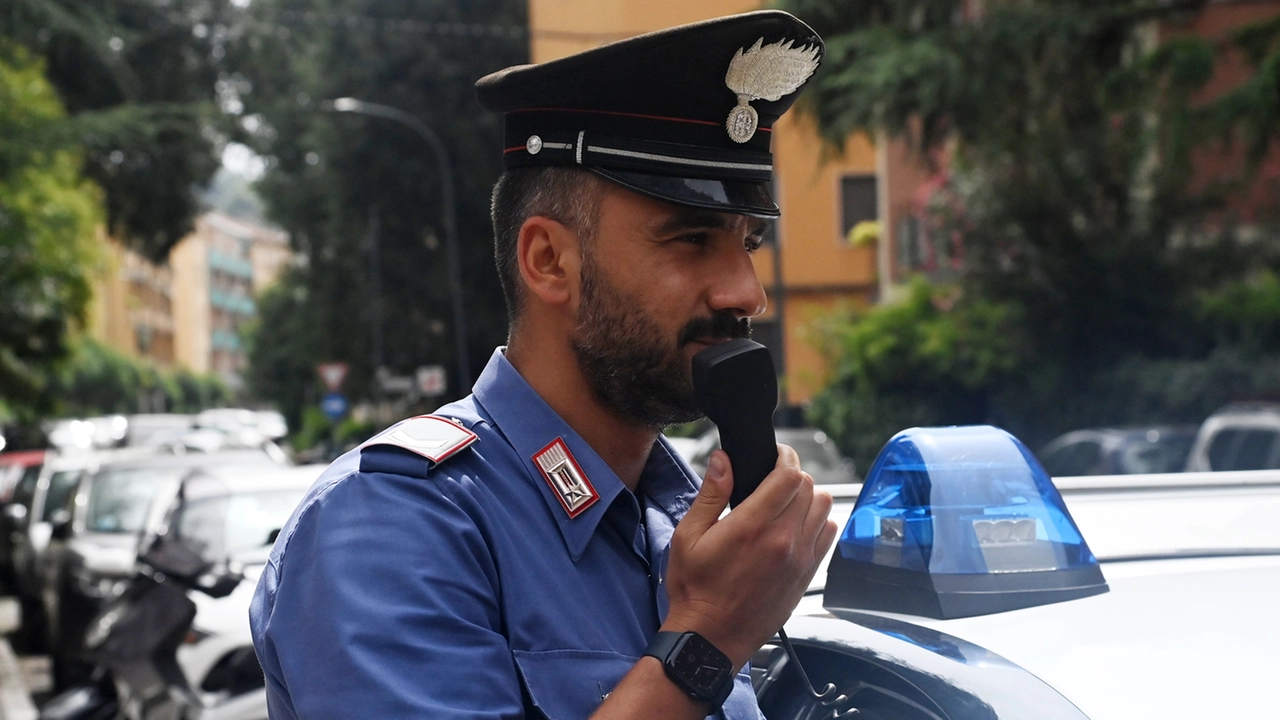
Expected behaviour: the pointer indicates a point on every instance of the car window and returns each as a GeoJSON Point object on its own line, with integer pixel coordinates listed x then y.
{"type": "Point", "coordinates": [1222, 448]}
{"type": "Point", "coordinates": [1254, 451]}
{"type": "Point", "coordinates": [62, 485]}
{"type": "Point", "coordinates": [228, 525]}
{"type": "Point", "coordinates": [1164, 456]}
{"type": "Point", "coordinates": [25, 490]}
{"type": "Point", "coordinates": [119, 499]}
{"type": "Point", "coordinates": [1073, 459]}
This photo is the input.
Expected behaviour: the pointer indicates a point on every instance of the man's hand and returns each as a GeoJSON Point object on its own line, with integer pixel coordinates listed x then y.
{"type": "Point", "coordinates": [736, 580]}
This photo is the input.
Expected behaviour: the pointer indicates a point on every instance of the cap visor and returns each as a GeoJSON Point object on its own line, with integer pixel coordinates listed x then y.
{"type": "Point", "coordinates": [731, 196]}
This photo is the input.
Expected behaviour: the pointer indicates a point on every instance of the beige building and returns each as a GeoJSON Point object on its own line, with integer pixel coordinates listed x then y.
{"type": "Point", "coordinates": [132, 307]}
{"type": "Point", "coordinates": [824, 192]}
{"type": "Point", "coordinates": [218, 270]}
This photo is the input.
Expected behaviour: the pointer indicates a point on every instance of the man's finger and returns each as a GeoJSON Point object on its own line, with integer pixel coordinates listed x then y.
{"type": "Point", "coordinates": [776, 494]}
{"type": "Point", "coordinates": [713, 498]}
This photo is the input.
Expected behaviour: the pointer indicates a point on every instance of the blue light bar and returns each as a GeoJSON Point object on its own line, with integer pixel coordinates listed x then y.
{"type": "Point", "coordinates": [959, 521]}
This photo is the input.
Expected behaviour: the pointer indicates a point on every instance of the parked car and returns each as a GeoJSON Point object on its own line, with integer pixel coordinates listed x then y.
{"type": "Point", "coordinates": [12, 467]}
{"type": "Point", "coordinates": [16, 468]}
{"type": "Point", "coordinates": [94, 541]}
{"type": "Point", "coordinates": [155, 429]}
{"type": "Point", "coordinates": [1118, 451]}
{"type": "Point", "coordinates": [818, 453]}
{"type": "Point", "coordinates": [235, 519]}
{"type": "Point", "coordinates": [1242, 436]}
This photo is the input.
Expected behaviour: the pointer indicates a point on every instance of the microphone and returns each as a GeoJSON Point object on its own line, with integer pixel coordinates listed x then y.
{"type": "Point", "coordinates": [735, 385]}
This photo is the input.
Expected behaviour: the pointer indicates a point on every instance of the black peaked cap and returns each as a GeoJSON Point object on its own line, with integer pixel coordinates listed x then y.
{"type": "Point", "coordinates": [656, 113]}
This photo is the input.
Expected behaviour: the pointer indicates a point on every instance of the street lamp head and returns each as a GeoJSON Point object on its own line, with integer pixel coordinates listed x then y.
{"type": "Point", "coordinates": [345, 104]}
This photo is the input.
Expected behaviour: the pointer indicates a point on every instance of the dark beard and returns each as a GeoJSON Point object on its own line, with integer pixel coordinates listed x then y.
{"type": "Point", "coordinates": [631, 368]}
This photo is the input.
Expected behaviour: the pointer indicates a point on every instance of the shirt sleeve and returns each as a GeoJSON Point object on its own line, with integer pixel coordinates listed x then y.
{"type": "Point", "coordinates": [384, 603]}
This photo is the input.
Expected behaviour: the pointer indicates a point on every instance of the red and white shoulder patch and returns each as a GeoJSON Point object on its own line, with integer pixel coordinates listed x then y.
{"type": "Point", "coordinates": [434, 438]}
{"type": "Point", "coordinates": [562, 472]}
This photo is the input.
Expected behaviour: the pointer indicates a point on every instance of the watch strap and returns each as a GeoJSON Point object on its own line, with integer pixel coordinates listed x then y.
{"type": "Point", "coordinates": [662, 644]}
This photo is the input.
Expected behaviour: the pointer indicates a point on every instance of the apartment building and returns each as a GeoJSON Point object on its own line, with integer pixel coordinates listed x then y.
{"type": "Point", "coordinates": [217, 272]}
{"type": "Point", "coordinates": [132, 306]}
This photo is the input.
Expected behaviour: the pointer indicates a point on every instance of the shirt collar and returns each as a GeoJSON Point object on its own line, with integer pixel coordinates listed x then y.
{"type": "Point", "coordinates": [529, 425]}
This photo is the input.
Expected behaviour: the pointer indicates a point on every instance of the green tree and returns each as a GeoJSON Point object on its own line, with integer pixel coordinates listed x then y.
{"type": "Point", "coordinates": [927, 360]}
{"type": "Point", "coordinates": [360, 196]}
{"type": "Point", "coordinates": [1072, 135]}
{"type": "Point", "coordinates": [139, 81]}
{"type": "Point", "coordinates": [48, 217]}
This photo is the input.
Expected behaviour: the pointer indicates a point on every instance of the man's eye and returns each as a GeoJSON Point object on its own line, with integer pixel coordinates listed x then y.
{"type": "Point", "coordinates": [753, 242]}
{"type": "Point", "coordinates": [700, 238]}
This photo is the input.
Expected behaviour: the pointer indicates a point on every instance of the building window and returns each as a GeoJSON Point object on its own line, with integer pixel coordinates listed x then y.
{"type": "Point", "coordinates": [911, 254]}
{"type": "Point", "coordinates": [857, 201]}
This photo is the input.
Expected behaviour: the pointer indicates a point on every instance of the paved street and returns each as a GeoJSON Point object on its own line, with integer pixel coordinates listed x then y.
{"type": "Point", "coordinates": [19, 677]}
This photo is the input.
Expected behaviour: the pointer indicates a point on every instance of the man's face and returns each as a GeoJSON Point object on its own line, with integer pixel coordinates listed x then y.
{"type": "Point", "coordinates": [659, 283]}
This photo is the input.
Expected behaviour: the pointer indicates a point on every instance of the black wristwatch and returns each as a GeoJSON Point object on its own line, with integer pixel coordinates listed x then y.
{"type": "Point", "coordinates": [693, 663]}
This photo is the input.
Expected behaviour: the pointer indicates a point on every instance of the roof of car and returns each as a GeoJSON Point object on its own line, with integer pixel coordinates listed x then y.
{"type": "Point", "coordinates": [255, 480]}
{"type": "Point", "coordinates": [1252, 407]}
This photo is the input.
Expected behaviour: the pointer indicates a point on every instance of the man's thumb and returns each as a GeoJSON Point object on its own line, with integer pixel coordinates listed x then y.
{"type": "Point", "coordinates": [714, 496]}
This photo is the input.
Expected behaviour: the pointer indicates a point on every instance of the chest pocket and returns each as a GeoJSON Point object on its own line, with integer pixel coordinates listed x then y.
{"type": "Point", "coordinates": [570, 684]}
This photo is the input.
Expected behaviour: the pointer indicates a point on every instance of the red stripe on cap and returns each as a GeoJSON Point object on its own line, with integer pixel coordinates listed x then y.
{"type": "Point", "coordinates": [626, 114]}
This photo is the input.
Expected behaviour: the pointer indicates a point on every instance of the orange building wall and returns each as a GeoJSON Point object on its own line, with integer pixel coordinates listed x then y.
{"type": "Point", "coordinates": [819, 270]}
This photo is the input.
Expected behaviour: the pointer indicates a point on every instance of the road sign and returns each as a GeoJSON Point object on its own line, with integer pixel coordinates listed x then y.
{"type": "Point", "coordinates": [394, 384]}
{"type": "Point", "coordinates": [431, 380]}
{"type": "Point", "coordinates": [334, 405]}
{"type": "Point", "coordinates": [332, 374]}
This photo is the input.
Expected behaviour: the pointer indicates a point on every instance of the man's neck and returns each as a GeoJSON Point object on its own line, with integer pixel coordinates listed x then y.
{"type": "Point", "coordinates": [553, 373]}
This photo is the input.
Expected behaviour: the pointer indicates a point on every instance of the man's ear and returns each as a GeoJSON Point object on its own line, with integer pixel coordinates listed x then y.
{"type": "Point", "coordinates": [549, 260]}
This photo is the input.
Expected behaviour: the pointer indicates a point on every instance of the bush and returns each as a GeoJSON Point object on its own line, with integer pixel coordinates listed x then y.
{"type": "Point", "coordinates": [932, 359]}
{"type": "Point", "coordinates": [938, 358]}
{"type": "Point", "coordinates": [97, 380]}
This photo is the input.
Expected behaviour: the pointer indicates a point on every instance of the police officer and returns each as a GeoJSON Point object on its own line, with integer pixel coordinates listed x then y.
{"type": "Point", "coordinates": [538, 549]}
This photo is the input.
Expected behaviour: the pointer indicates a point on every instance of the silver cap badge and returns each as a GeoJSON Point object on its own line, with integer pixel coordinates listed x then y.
{"type": "Point", "coordinates": [562, 473]}
{"type": "Point", "coordinates": [765, 72]}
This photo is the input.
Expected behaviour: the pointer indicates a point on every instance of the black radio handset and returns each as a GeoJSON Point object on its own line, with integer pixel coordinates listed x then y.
{"type": "Point", "coordinates": [735, 385]}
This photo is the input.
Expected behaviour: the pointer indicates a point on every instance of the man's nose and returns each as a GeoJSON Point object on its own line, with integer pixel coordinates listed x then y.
{"type": "Point", "coordinates": [737, 288]}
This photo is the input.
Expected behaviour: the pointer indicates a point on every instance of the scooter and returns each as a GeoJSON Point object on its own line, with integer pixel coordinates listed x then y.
{"type": "Point", "coordinates": [134, 641]}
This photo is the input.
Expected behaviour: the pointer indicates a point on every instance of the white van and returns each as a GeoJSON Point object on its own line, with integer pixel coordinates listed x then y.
{"type": "Point", "coordinates": [1242, 436]}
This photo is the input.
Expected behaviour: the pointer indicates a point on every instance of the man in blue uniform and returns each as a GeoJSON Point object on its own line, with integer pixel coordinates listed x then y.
{"type": "Point", "coordinates": [538, 549]}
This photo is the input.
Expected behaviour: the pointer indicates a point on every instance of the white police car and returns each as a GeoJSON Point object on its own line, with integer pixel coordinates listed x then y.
{"type": "Point", "coordinates": [962, 588]}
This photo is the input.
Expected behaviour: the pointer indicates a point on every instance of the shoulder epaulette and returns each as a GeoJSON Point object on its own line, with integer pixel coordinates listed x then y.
{"type": "Point", "coordinates": [431, 436]}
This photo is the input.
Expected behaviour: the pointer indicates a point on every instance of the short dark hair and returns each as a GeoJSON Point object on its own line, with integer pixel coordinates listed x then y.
{"type": "Point", "coordinates": [570, 196]}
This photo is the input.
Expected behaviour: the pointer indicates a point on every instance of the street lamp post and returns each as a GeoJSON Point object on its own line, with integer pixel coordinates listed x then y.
{"type": "Point", "coordinates": [360, 107]}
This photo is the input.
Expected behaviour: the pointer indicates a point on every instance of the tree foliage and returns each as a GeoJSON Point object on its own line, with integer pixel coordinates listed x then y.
{"type": "Point", "coordinates": [360, 196]}
{"type": "Point", "coordinates": [927, 360]}
{"type": "Point", "coordinates": [139, 83]}
{"type": "Point", "coordinates": [48, 217]}
{"type": "Point", "coordinates": [97, 380]}
{"type": "Point", "coordinates": [1071, 136]}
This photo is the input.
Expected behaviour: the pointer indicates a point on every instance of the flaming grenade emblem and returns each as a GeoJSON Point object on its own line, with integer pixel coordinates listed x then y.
{"type": "Point", "coordinates": [765, 72]}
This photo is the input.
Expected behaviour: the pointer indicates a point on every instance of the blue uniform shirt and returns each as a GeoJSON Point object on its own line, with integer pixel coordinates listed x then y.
{"type": "Point", "coordinates": [400, 589]}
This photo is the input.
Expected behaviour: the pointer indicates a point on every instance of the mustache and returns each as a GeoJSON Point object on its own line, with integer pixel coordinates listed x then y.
{"type": "Point", "coordinates": [722, 325]}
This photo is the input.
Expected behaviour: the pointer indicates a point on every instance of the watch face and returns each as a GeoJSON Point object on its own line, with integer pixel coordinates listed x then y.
{"type": "Point", "coordinates": [703, 666]}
